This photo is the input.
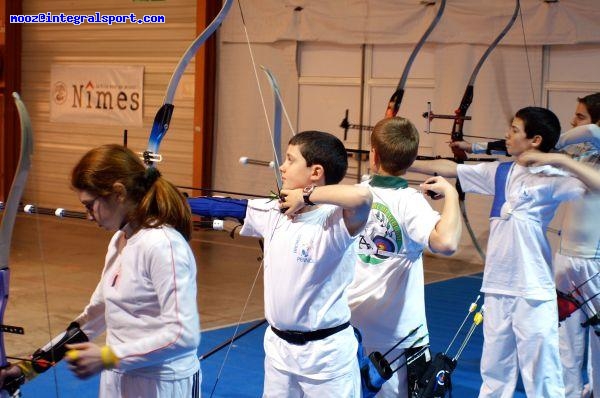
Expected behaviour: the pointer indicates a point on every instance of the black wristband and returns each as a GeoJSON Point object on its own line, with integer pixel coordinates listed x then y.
{"type": "Point", "coordinates": [306, 192]}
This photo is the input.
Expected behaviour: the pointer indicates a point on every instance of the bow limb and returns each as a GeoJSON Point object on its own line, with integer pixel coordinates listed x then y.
{"type": "Point", "coordinates": [163, 116]}
{"type": "Point", "coordinates": [467, 99]}
{"type": "Point", "coordinates": [460, 116]}
{"type": "Point", "coordinates": [8, 219]}
{"type": "Point", "coordinates": [276, 135]}
{"type": "Point", "coordinates": [277, 94]}
{"type": "Point", "coordinates": [396, 98]}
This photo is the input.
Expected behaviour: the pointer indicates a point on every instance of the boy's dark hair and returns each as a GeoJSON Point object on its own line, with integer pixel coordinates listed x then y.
{"type": "Point", "coordinates": [542, 122]}
{"type": "Point", "coordinates": [318, 147]}
{"type": "Point", "coordinates": [396, 141]}
{"type": "Point", "coordinates": [592, 104]}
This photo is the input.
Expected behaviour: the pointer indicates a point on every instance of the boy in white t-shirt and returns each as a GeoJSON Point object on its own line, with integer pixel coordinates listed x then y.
{"type": "Point", "coordinates": [521, 326]}
{"type": "Point", "coordinates": [387, 294]}
{"type": "Point", "coordinates": [308, 263]}
{"type": "Point", "coordinates": [577, 258]}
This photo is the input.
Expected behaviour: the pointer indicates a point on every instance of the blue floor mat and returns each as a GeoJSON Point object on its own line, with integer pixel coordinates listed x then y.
{"type": "Point", "coordinates": [241, 375]}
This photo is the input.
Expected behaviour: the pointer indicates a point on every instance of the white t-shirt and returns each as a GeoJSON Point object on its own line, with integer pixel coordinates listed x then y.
{"type": "Point", "coordinates": [308, 263]}
{"type": "Point", "coordinates": [146, 301]}
{"type": "Point", "coordinates": [518, 254]}
{"type": "Point", "coordinates": [387, 294]}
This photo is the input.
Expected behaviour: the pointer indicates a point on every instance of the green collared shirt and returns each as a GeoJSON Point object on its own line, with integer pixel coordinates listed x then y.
{"type": "Point", "coordinates": [380, 181]}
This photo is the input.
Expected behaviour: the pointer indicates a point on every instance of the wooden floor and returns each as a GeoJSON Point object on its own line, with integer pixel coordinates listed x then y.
{"type": "Point", "coordinates": [56, 263]}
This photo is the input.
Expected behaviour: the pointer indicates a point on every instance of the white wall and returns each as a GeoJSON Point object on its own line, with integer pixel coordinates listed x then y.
{"type": "Point", "coordinates": [328, 82]}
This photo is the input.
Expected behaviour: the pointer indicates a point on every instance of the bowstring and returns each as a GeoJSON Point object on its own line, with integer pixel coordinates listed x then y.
{"type": "Point", "coordinates": [277, 165]}
{"type": "Point", "coordinates": [260, 92]}
{"type": "Point", "coordinates": [527, 55]}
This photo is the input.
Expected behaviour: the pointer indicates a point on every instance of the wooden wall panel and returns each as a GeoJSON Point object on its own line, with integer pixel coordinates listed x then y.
{"type": "Point", "coordinates": [157, 47]}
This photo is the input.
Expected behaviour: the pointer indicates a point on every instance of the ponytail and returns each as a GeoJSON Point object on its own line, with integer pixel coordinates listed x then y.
{"type": "Point", "coordinates": [157, 200]}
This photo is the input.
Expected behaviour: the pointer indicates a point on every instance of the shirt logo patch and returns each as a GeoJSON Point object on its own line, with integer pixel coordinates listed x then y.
{"type": "Point", "coordinates": [303, 250]}
{"type": "Point", "coordinates": [382, 237]}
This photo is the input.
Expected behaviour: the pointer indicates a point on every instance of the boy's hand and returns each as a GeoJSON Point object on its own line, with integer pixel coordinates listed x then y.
{"type": "Point", "coordinates": [291, 201]}
{"type": "Point", "coordinates": [462, 145]}
{"type": "Point", "coordinates": [537, 158]}
{"type": "Point", "coordinates": [437, 187]}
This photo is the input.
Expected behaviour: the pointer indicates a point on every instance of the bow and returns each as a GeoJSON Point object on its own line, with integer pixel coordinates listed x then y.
{"type": "Point", "coordinates": [163, 116]}
{"type": "Point", "coordinates": [460, 115]}
{"type": "Point", "coordinates": [8, 221]}
{"type": "Point", "coordinates": [396, 99]}
{"type": "Point", "coordinates": [276, 135]}
{"type": "Point", "coordinates": [276, 141]}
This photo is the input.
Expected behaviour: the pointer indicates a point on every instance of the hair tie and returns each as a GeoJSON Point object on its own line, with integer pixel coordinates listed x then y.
{"type": "Point", "coordinates": [150, 176]}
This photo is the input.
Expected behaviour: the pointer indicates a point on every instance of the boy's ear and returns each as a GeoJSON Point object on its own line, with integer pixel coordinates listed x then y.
{"type": "Point", "coordinates": [536, 141]}
{"type": "Point", "coordinates": [374, 158]}
{"type": "Point", "coordinates": [317, 173]}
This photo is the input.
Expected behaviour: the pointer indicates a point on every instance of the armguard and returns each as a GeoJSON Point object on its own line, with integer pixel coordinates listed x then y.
{"type": "Point", "coordinates": [219, 207]}
{"type": "Point", "coordinates": [46, 357]}
{"type": "Point", "coordinates": [496, 147]}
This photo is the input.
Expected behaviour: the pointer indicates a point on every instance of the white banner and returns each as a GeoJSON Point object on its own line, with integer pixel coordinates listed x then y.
{"type": "Point", "coordinates": [97, 94]}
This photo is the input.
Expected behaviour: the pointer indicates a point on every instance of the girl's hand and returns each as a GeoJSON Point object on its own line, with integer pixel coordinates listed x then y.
{"type": "Point", "coordinates": [85, 359]}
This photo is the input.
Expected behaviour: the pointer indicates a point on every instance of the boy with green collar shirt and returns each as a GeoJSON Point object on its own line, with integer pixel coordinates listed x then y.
{"type": "Point", "coordinates": [387, 294]}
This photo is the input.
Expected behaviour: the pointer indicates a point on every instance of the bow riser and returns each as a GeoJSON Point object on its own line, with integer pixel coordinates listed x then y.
{"type": "Point", "coordinates": [163, 116]}
{"type": "Point", "coordinates": [459, 121]}
{"type": "Point", "coordinates": [396, 99]}
{"type": "Point", "coordinates": [457, 129]}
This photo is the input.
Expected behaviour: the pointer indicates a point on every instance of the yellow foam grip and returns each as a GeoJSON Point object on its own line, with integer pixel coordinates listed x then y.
{"type": "Point", "coordinates": [27, 369]}
{"type": "Point", "coordinates": [109, 358]}
{"type": "Point", "coordinates": [72, 355]}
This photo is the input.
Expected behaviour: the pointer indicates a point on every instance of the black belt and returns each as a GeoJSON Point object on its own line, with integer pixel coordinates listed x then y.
{"type": "Point", "coordinates": [301, 338]}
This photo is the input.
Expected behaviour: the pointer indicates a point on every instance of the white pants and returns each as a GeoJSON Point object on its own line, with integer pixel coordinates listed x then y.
{"type": "Point", "coordinates": [520, 335]}
{"type": "Point", "coordinates": [572, 344]}
{"type": "Point", "coordinates": [570, 272]}
{"type": "Point", "coordinates": [281, 384]}
{"type": "Point", "coordinates": [123, 385]}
